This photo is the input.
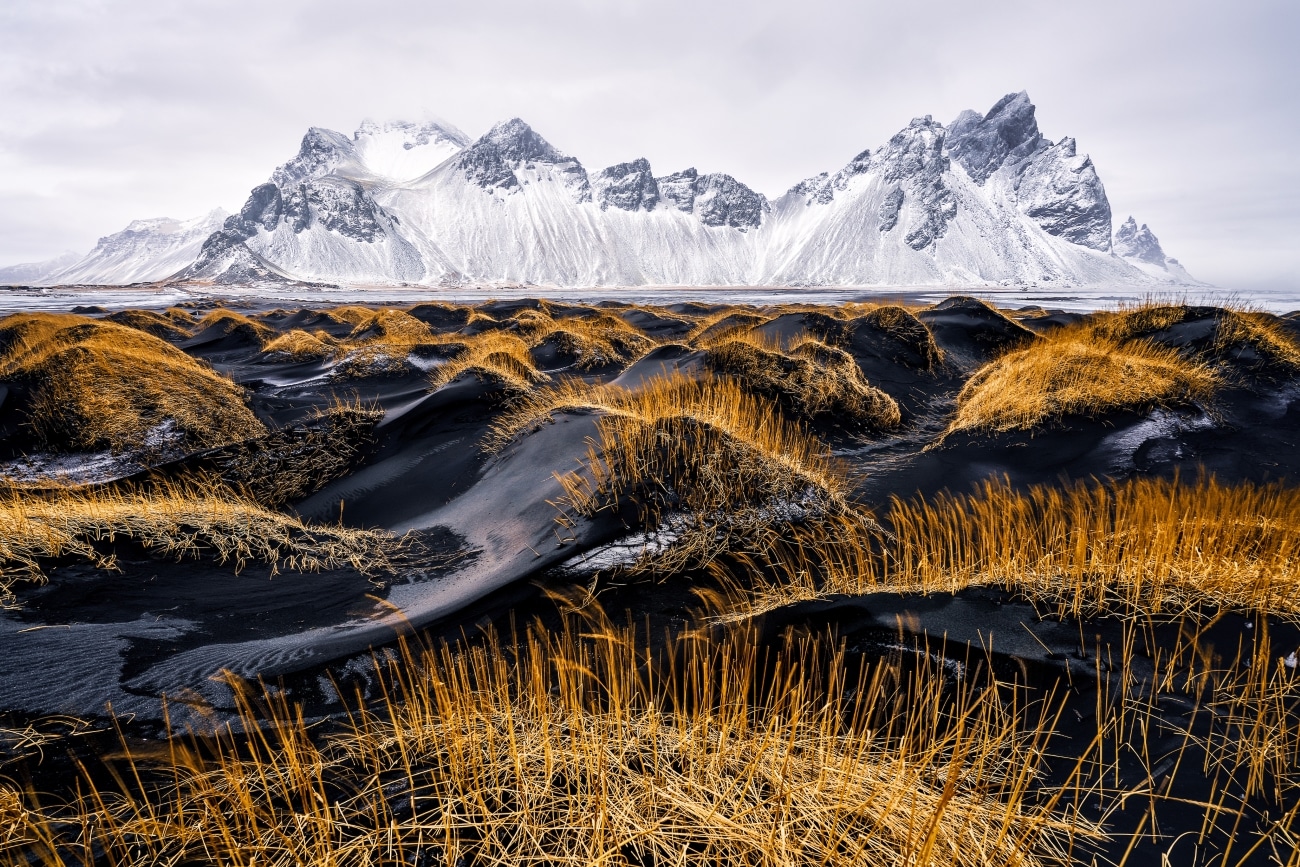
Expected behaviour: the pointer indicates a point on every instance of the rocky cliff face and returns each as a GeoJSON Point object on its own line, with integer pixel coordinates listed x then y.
{"type": "Point", "coordinates": [1007, 135]}
{"type": "Point", "coordinates": [627, 186]}
{"type": "Point", "coordinates": [714, 199]}
{"type": "Point", "coordinates": [500, 159]}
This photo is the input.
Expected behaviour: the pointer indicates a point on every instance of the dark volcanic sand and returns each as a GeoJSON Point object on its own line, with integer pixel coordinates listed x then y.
{"type": "Point", "coordinates": [163, 627]}
{"type": "Point", "coordinates": [159, 627]}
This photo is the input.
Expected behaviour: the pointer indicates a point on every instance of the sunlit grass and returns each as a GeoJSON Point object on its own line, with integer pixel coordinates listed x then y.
{"type": "Point", "coordinates": [581, 749]}
{"type": "Point", "coordinates": [1076, 372]}
{"type": "Point", "coordinates": [808, 378]}
{"type": "Point", "coordinates": [178, 520]}
{"type": "Point", "coordinates": [1147, 546]}
{"type": "Point", "coordinates": [96, 384]}
{"type": "Point", "coordinates": [496, 356]}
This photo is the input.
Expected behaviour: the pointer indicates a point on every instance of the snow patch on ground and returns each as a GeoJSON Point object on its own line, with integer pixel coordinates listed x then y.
{"type": "Point", "coordinates": [92, 467]}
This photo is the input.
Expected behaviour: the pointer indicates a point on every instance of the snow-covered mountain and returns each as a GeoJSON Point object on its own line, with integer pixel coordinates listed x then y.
{"type": "Point", "coordinates": [145, 251]}
{"type": "Point", "coordinates": [1141, 248]}
{"type": "Point", "coordinates": [986, 199]}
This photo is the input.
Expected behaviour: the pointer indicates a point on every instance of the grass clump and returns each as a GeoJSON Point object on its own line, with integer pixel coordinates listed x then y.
{"type": "Point", "coordinates": [1244, 339]}
{"type": "Point", "coordinates": [725, 323]}
{"type": "Point", "coordinates": [810, 380]}
{"type": "Point", "coordinates": [380, 343]}
{"type": "Point", "coordinates": [237, 325]}
{"type": "Point", "coordinates": [907, 336]}
{"type": "Point", "coordinates": [93, 385]}
{"type": "Point", "coordinates": [300, 345]}
{"type": "Point", "coordinates": [592, 342]}
{"type": "Point", "coordinates": [178, 520]}
{"type": "Point", "coordinates": [576, 749]}
{"type": "Point", "coordinates": [705, 465]}
{"type": "Point", "coordinates": [160, 326]}
{"type": "Point", "coordinates": [1145, 546]}
{"type": "Point", "coordinates": [494, 356]}
{"type": "Point", "coordinates": [1075, 371]}
{"type": "Point", "coordinates": [291, 463]}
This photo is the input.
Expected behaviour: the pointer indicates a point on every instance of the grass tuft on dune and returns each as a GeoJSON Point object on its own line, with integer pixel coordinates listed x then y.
{"type": "Point", "coordinates": [177, 520]}
{"type": "Point", "coordinates": [495, 356]}
{"type": "Point", "coordinates": [1076, 372]}
{"type": "Point", "coordinates": [94, 384]}
{"type": "Point", "coordinates": [705, 462]}
{"type": "Point", "coordinates": [233, 324]}
{"type": "Point", "coordinates": [300, 345]}
{"type": "Point", "coordinates": [809, 379]}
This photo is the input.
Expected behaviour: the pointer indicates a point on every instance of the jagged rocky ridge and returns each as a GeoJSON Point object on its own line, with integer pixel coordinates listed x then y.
{"type": "Point", "coordinates": [985, 199]}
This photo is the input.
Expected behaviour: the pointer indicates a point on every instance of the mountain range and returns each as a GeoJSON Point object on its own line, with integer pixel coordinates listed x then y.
{"type": "Point", "coordinates": [983, 200]}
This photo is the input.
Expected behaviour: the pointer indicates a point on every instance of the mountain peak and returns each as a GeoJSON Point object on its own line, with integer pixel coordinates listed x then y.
{"type": "Point", "coordinates": [414, 133]}
{"type": "Point", "coordinates": [321, 151]}
{"type": "Point", "coordinates": [491, 161]}
{"type": "Point", "coordinates": [981, 144]}
{"type": "Point", "coordinates": [1132, 242]}
{"type": "Point", "coordinates": [404, 149]}
{"type": "Point", "coordinates": [517, 141]}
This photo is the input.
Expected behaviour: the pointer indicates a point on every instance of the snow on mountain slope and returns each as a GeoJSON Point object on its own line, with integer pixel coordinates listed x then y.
{"type": "Point", "coordinates": [513, 208]}
{"type": "Point", "coordinates": [403, 150]}
{"type": "Point", "coordinates": [984, 200]}
{"type": "Point", "coordinates": [144, 251]}
{"type": "Point", "coordinates": [36, 273]}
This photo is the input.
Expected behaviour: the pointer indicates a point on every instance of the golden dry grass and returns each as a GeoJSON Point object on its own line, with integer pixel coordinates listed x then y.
{"type": "Point", "coordinates": [294, 462]}
{"type": "Point", "coordinates": [581, 751]}
{"type": "Point", "coordinates": [725, 323]}
{"type": "Point", "coordinates": [495, 356]}
{"type": "Point", "coordinates": [151, 323]}
{"type": "Point", "coordinates": [229, 322]}
{"type": "Point", "coordinates": [1148, 546]}
{"type": "Point", "coordinates": [392, 327]}
{"type": "Point", "coordinates": [1248, 338]}
{"type": "Point", "coordinates": [810, 379]}
{"type": "Point", "coordinates": [96, 385]}
{"type": "Point", "coordinates": [901, 324]}
{"type": "Point", "coordinates": [301, 345]}
{"type": "Point", "coordinates": [181, 520]}
{"type": "Point", "coordinates": [706, 462]}
{"type": "Point", "coordinates": [595, 341]}
{"type": "Point", "coordinates": [380, 342]}
{"type": "Point", "coordinates": [1076, 372]}
{"type": "Point", "coordinates": [180, 316]}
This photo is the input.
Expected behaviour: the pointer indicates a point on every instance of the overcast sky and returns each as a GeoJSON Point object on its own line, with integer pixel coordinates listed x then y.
{"type": "Point", "coordinates": [112, 110]}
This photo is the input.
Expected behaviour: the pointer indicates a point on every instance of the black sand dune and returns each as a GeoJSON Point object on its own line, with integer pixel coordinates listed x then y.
{"type": "Point", "coordinates": [424, 472]}
{"type": "Point", "coordinates": [483, 530]}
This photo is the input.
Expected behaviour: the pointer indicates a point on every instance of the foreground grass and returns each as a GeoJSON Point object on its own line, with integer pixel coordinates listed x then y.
{"type": "Point", "coordinates": [581, 749]}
